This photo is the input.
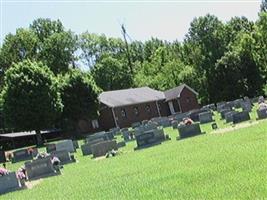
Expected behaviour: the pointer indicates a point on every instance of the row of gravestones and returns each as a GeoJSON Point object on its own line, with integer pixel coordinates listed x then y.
{"type": "Point", "coordinates": [40, 167]}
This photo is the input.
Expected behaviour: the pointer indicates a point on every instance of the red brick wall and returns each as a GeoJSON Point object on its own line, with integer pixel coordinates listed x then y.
{"type": "Point", "coordinates": [188, 100]}
{"type": "Point", "coordinates": [131, 117]}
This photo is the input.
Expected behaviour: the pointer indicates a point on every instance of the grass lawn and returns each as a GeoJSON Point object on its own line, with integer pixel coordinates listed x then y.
{"type": "Point", "coordinates": [231, 165]}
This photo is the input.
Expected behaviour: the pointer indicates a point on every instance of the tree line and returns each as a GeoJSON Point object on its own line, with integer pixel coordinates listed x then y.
{"type": "Point", "coordinates": [50, 75]}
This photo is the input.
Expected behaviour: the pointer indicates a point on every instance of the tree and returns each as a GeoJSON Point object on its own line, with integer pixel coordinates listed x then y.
{"type": "Point", "coordinates": [44, 28]}
{"type": "Point", "coordinates": [111, 74]}
{"type": "Point", "coordinates": [17, 47]}
{"type": "Point", "coordinates": [58, 51]}
{"type": "Point", "coordinates": [31, 100]}
{"type": "Point", "coordinates": [238, 68]}
{"type": "Point", "coordinates": [94, 46]}
{"type": "Point", "coordinates": [79, 96]}
{"type": "Point", "coordinates": [206, 44]}
{"type": "Point", "coordinates": [263, 7]}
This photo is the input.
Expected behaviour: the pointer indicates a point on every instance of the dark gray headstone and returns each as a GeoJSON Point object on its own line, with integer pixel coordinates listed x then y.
{"type": "Point", "coordinates": [75, 144]}
{"type": "Point", "coordinates": [189, 130]}
{"type": "Point", "coordinates": [98, 135]}
{"type": "Point", "coordinates": [174, 124]}
{"type": "Point", "coordinates": [229, 116]}
{"type": "Point", "coordinates": [86, 149]}
{"type": "Point", "coordinates": [241, 117]}
{"type": "Point", "coordinates": [63, 156]}
{"type": "Point", "coordinates": [40, 168]}
{"type": "Point", "coordinates": [224, 111]}
{"type": "Point", "coordinates": [179, 117]}
{"type": "Point", "coordinates": [9, 183]}
{"type": "Point", "coordinates": [21, 155]}
{"type": "Point", "coordinates": [146, 139]}
{"type": "Point", "coordinates": [121, 144]}
{"type": "Point", "coordinates": [136, 124]}
{"type": "Point", "coordinates": [65, 145]}
{"type": "Point", "coordinates": [205, 117]}
{"type": "Point", "coordinates": [100, 149]}
{"type": "Point", "coordinates": [246, 106]}
{"type": "Point", "coordinates": [50, 148]}
{"type": "Point", "coordinates": [262, 114]}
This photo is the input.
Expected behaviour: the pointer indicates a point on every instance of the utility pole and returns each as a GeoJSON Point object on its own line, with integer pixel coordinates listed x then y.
{"type": "Point", "coordinates": [127, 48]}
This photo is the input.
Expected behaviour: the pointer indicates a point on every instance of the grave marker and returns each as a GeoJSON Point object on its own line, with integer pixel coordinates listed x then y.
{"type": "Point", "coordinates": [9, 183]}
{"type": "Point", "coordinates": [64, 157]}
{"type": "Point", "coordinates": [189, 130]}
{"type": "Point", "coordinates": [101, 148]}
{"type": "Point", "coordinates": [205, 117]}
{"type": "Point", "coordinates": [66, 145]}
{"type": "Point", "coordinates": [40, 168]}
{"type": "Point", "coordinates": [262, 114]}
{"type": "Point", "coordinates": [50, 148]}
{"type": "Point", "coordinates": [21, 155]}
{"type": "Point", "coordinates": [241, 117]}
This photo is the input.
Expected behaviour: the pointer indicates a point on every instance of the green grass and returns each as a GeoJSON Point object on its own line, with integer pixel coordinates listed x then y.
{"type": "Point", "coordinates": [231, 165]}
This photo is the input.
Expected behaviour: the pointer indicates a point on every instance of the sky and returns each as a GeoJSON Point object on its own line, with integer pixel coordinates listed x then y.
{"type": "Point", "coordinates": [167, 20]}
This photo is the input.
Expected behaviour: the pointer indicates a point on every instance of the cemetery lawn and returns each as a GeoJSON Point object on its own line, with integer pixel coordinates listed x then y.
{"type": "Point", "coordinates": [230, 165]}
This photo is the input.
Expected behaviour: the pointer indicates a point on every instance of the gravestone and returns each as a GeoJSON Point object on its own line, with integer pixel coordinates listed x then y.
{"type": "Point", "coordinates": [86, 148]}
{"type": "Point", "coordinates": [229, 116]}
{"type": "Point", "coordinates": [50, 148]}
{"type": "Point", "coordinates": [144, 122]}
{"type": "Point", "coordinates": [65, 145]}
{"type": "Point", "coordinates": [241, 117]}
{"type": "Point", "coordinates": [136, 124]}
{"type": "Point", "coordinates": [9, 183]}
{"type": "Point", "coordinates": [64, 157]}
{"type": "Point", "coordinates": [2, 156]}
{"type": "Point", "coordinates": [246, 106]}
{"type": "Point", "coordinates": [189, 130]}
{"type": "Point", "coordinates": [110, 135]}
{"type": "Point", "coordinates": [146, 139]}
{"type": "Point", "coordinates": [100, 135]}
{"type": "Point", "coordinates": [205, 117]}
{"type": "Point", "coordinates": [262, 114]}
{"type": "Point", "coordinates": [159, 134]}
{"type": "Point", "coordinates": [179, 117]}
{"type": "Point", "coordinates": [224, 111]}
{"type": "Point", "coordinates": [75, 144]}
{"type": "Point", "coordinates": [194, 115]}
{"type": "Point", "coordinates": [126, 136]}
{"type": "Point", "coordinates": [261, 99]}
{"type": "Point", "coordinates": [101, 148]}
{"type": "Point", "coordinates": [174, 124]}
{"type": "Point", "coordinates": [220, 106]}
{"type": "Point", "coordinates": [238, 102]}
{"type": "Point", "coordinates": [121, 144]}
{"type": "Point", "coordinates": [40, 168]}
{"type": "Point", "coordinates": [21, 155]}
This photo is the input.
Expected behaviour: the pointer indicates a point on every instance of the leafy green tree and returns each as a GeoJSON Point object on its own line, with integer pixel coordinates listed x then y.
{"type": "Point", "coordinates": [111, 74]}
{"type": "Point", "coordinates": [79, 95]}
{"type": "Point", "coordinates": [94, 46]}
{"type": "Point", "coordinates": [58, 51]}
{"type": "Point", "coordinates": [206, 44]}
{"type": "Point", "coordinates": [263, 7]}
{"type": "Point", "coordinates": [238, 68]}
{"type": "Point", "coordinates": [31, 100]}
{"type": "Point", "coordinates": [44, 28]}
{"type": "Point", "coordinates": [17, 47]}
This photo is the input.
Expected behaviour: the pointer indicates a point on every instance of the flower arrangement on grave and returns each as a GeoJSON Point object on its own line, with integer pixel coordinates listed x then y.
{"type": "Point", "coordinates": [4, 171]}
{"type": "Point", "coordinates": [111, 153]}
